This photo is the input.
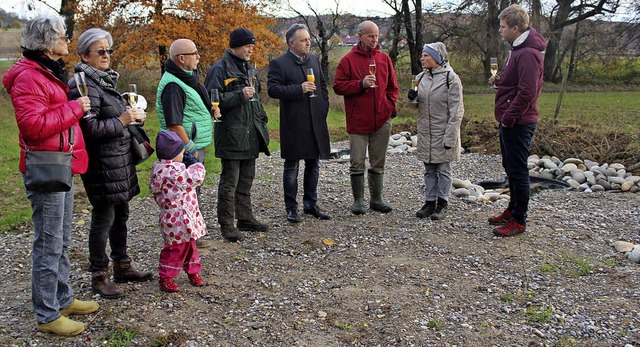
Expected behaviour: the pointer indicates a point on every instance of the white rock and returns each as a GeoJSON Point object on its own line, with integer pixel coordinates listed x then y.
{"type": "Point", "coordinates": [395, 137]}
{"type": "Point", "coordinates": [626, 186]}
{"type": "Point", "coordinates": [617, 180]}
{"type": "Point", "coordinates": [574, 184]}
{"type": "Point", "coordinates": [617, 166]}
{"type": "Point", "coordinates": [569, 167]}
{"type": "Point", "coordinates": [394, 150]}
{"type": "Point", "coordinates": [412, 149]}
{"type": "Point", "coordinates": [634, 255]}
{"type": "Point", "coordinates": [623, 246]}
{"type": "Point", "coordinates": [405, 134]}
{"type": "Point", "coordinates": [578, 175]}
{"type": "Point", "coordinates": [634, 179]}
{"type": "Point", "coordinates": [573, 161]}
{"type": "Point", "coordinates": [549, 164]}
{"type": "Point", "coordinates": [414, 140]}
{"type": "Point", "coordinates": [458, 183]}
{"type": "Point", "coordinates": [461, 192]}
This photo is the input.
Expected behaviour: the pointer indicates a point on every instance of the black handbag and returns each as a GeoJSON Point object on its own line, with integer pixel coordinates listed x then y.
{"type": "Point", "coordinates": [140, 144]}
{"type": "Point", "coordinates": [49, 171]}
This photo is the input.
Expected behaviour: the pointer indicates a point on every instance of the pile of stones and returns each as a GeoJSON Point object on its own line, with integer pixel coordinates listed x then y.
{"type": "Point", "coordinates": [631, 251]}
{"type": "Point", "coordinates": [403, 142]}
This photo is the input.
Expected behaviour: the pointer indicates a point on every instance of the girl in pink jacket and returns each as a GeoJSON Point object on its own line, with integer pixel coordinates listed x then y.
{"type": "Point", "coordinates": [174, 178]}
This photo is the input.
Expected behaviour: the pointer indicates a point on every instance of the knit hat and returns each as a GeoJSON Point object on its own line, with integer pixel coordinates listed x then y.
{"type": "Point", "coordinates": [437, 51]}
{"type": "Point", "coordinates": [241, 37]}
{"type": "Point", "coordinates": [168, 145]}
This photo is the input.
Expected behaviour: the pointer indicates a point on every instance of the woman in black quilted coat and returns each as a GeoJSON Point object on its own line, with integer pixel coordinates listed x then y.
{"type": "Point", "coordinates": [111, 180]}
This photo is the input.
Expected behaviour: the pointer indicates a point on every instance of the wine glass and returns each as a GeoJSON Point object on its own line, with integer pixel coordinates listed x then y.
{"type": "Point", "coordinates": [372, 70]}
{"type": "Point", "coordinates": [253, 76]}
{"type": "Point", "coordinates": [311, 78]}
{"type": "Point", "coordinates": [414, 86]}
{"type": "Point", "coordinates": [132, 94]}
{"type": "Point", "coordinates": [493, 66]}
{"type": "Point", "coordinates": [215, 101]}
{"type": "Point", "coordinates": [81, 83]}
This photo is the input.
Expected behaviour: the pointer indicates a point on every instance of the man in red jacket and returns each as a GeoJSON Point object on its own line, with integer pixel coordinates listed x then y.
{"type": "Point", "coordinates": [367, 80]}
{"type": "Point", "coordinates": [516, 110]}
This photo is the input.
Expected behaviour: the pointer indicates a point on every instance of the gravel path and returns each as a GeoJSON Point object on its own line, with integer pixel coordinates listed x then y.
{"type": "Point", "coordinates": [387, 280]}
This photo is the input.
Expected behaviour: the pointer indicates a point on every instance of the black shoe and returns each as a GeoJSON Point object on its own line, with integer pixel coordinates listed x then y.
{"type": "Point", "coordinates": [317, 212]}
{"type": "Point", "coordinates": [427, 209]}
{"type": "Point", "coordinates": [441, 210]}
{"type": "Point", "coordinates": [252, 225]}
{"type": "Point", "coordinates": [293, 217]}
{"type": "Point", "coordinates": [231, 233]}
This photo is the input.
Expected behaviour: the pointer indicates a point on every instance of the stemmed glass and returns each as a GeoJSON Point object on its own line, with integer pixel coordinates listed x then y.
{"type": "Point", "coordinates": [81, 83]}
{"type": "Point", "coordinates": [493, 66]}
{"type": "Point", "coordinates": [215, 101]}
{"type": "Point", "coordinates": [414, 86]}
{"type": "Point", "coordinates": [311, 78]}
{"type": "Point", "coordinates": [372, 70]}
{"type": "Point", "coordinates": [132, 98]}
{"type": "Point", "coordinates": [253, 75]}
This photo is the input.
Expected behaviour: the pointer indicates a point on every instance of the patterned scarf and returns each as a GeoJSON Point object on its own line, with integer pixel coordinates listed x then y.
{"type": "Point", "coordinates": [107, 79]}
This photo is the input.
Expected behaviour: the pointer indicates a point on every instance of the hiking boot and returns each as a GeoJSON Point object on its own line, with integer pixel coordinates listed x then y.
{"type": "Point", "coordinates": [252, 225]}
{"type": "Point", "coordinates": [426, 210]}
{"type": "Point", "coordinates": [441, 209]}
{"type": "Point", "coordinates": [502, 218]}
{"type": "Point", "coordinates": [202, 243]}
{"type": "Point", "coordinates": [511, 228]}
{"type": "Point", "coordinates": [80, 307]}
{"type": "Point", "coordinates": [123, 272]}
{"type": "Point", "coordinates": [231, 233]}
{"type": "Point", "coordinates": [62, 326]}
{"type": "Point", "coordinates": [167, 285]}
{"type": "Point", "coordinates": [196, 280]}
{"type": "Point", "coordinates": [101, 284]}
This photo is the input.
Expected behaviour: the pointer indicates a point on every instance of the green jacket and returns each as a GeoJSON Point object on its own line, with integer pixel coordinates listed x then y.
{"type": "Point", "coordinates": [242, 134]}
{"type": "Point", "coordinates": [195, 111]}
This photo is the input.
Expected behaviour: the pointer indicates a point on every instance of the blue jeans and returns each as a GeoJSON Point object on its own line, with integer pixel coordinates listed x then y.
{"type": "Point", "coordinates": [309, 183]}
{"type": "Point", "coordinates": [108, 222]}
{"type": "Point", "coordinates": [437, 181]}
{"type": "Point", "coordinates": [515, 143]}
{"type": "Point", "coordinates": [52, 218]}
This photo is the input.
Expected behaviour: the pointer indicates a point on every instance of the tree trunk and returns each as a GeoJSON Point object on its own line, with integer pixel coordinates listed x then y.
{"type": "Point", "coordinates": [396, 29]}
{"type": "Point", "coordinates": [162, 49]}
{"type": "Point", "coordinates": [68, 10]}
{"type": "Point", "coordinates": [492, 36]}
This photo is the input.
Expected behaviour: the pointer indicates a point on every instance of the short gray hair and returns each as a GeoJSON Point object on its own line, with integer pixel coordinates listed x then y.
{"type": "Point", "coordinates": [291, 32]}
{"type": "Point", "coordinates": [89, 37]}
{"type": "Point", "coordinates": [42, 32]}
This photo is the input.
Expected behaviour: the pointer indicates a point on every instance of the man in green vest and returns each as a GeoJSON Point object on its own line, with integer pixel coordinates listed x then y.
{"type": "Point", "coordinates": [240, 136]}
{"type": "Point", "coordinates": [183, 105]}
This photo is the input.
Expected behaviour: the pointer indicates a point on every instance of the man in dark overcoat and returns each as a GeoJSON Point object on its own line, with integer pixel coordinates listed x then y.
{"type": "Point", "coordinates": [304, 135]}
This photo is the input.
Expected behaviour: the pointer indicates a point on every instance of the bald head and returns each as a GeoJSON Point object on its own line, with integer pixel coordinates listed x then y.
{"type": "Point", "coordinates": [368, 34]}
{"type": "Point", "coordinates": [184, 54]}
{"type": "Point", "coordinates": [367, 26]}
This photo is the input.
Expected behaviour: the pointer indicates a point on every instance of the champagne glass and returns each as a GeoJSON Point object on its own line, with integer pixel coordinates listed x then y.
{"type": "Point", "coordinates": [311, 78]}
{"type": "Point", "coordinates": [81, 83]}
{"type": "Point", "coordinates": [372, 70]}
{"type": "Point", "coordinates": [132, 92]}
{"type": "Point", "coordinates": [215, 101]}
{"type": "Point", "coordinates": [493, 66]}
{"type": "Point", "coordinates": [253, 76]}
{"type": "Point", "coordinates": [414, 86]}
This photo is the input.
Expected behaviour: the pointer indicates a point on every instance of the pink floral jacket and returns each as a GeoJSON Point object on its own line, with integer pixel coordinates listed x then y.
{"type": "Point", "coordinates": [173, 186]}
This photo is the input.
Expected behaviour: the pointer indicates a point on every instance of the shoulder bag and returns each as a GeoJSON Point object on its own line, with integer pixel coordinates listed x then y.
{"type": "Point", "coordinates": [140, 144]}
{"type": "Point", "coordinates": [49, 171]}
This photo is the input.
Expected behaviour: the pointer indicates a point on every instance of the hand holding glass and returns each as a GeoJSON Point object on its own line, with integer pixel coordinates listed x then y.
{"type": "Point", "coordinates": [215, 101]}
{"type": "Point", "coordinates": [414, 86]}
{"type": "Point", "coordinates": [493, 66]}
{"type": "Point", "coordinates": [372, 70]}
{"type": "Point", "coordinates": [311, 78]}
{"type": "Point", "coordinates": [81, 83]}
{"type": "Point", "coordinates": [132, 99]}
{"type": "Point", "coordinates": [253, 76]}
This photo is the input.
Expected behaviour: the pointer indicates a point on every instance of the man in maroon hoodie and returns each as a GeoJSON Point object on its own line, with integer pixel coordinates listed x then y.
{"type": "Point", "coordinates": [367, 80]}
{"type": "Point", "coordinates": [516, 109]}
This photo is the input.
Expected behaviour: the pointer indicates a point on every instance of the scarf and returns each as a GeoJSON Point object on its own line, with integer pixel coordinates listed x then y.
{"type": "Point", "coordinates": [192, 80]}
{"type": "Point", "coordinates": [107, 79]}
{"type": "Point", "coordinates": [56, 67]}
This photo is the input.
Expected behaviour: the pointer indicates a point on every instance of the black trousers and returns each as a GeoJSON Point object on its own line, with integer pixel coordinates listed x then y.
{"type": "Point", "coordinates": [234, 190]}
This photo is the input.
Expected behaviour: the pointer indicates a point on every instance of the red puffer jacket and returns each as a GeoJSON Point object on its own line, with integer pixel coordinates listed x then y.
{"type": "Point", "coordinates": [367, 110]}
{"type": "Point", "coordinates": [43, 112]}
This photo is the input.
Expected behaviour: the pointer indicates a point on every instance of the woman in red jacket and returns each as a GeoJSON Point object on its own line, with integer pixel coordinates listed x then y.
{"type": "Point", "coordinates": [37, 84]}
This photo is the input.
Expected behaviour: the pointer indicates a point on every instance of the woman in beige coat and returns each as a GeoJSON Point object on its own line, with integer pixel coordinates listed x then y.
{"type": "Point", "coordinates": [440, 111]}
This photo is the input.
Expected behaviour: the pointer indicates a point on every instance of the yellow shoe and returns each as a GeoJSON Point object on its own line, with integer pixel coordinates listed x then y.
{"type": "Point", "coordinates": [80, 307]}
{"type": "Point", "coordinates": [62, 326]}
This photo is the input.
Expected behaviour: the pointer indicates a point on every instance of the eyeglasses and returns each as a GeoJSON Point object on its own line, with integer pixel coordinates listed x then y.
{"type": "Point", "coordinates": [103, 51]}
{"type": "Point", "coordinates": [194, 53]}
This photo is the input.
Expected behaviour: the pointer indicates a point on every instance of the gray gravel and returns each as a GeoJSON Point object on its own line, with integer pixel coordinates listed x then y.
{"type": "Point", "coordinates": [387, 280]}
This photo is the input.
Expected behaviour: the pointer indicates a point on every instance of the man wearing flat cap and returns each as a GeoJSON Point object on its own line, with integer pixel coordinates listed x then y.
{"type": "Point", "coordinates": [239, 137]}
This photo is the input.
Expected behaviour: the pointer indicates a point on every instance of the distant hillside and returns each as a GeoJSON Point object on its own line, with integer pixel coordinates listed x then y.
{"type": "Point", "coordinates": [10, 43]}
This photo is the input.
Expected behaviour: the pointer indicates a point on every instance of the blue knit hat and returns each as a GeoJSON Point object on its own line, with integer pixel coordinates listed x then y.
{"type": "Point", "coordinates": [168, 145]}
{"type": "Point", "coordinates": [431, 50]}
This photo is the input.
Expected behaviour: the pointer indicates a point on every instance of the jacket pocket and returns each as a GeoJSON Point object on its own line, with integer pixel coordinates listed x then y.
{"type": "Point", "coordinates": [236, 139]}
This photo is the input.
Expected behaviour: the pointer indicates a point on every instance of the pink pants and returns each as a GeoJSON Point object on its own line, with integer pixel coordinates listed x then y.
{"type": "Point", "coordinates": [181, 256]}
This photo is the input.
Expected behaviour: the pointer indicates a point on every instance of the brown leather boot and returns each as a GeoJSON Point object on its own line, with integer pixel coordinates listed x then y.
{"type": "Point", "coordinates": [101, 284]}
{"type": "Point", "coordinates": [124, 272]}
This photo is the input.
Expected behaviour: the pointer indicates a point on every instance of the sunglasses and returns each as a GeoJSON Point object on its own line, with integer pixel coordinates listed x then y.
{"type": "Point", "coordinates": [103, 51]}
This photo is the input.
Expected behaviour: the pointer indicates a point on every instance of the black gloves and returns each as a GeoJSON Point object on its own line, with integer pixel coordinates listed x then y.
{"type": "Point", "coordinates": [412, 94]}
{"type": "Point", "coordinates": [447, 147]}
{"type": "Point", "coordinates": [188, 159]}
